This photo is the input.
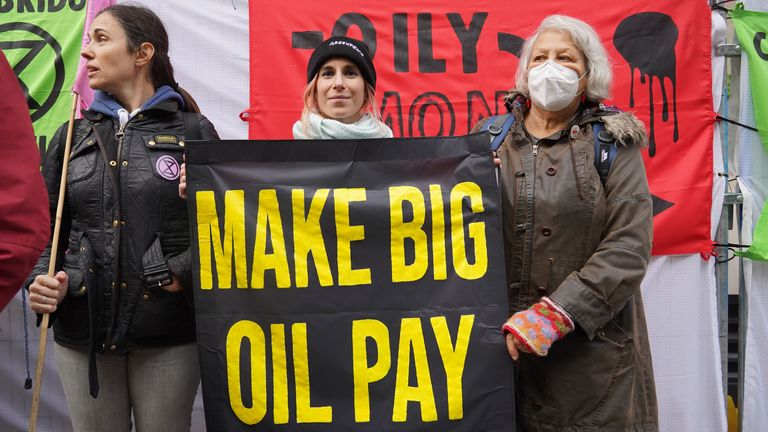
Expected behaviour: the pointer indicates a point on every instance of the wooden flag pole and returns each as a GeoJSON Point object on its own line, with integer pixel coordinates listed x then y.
{"type": "Point", "coordinates": [52, 267]}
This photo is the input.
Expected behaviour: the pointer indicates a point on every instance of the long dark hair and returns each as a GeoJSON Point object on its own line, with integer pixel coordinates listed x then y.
{"type": "Point", "coordinates": [142, 25]}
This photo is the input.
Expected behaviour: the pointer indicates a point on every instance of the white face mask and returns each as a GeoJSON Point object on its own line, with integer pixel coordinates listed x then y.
{"type": "Point", "coordinates": [553, 86]}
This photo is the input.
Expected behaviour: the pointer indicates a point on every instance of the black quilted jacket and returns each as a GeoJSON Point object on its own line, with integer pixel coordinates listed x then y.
{"type": "Point", "coordinates": [122, 231]}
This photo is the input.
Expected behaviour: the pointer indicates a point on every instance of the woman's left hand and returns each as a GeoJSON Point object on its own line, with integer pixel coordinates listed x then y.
{"type": "Point", "coordinates": [496, 160]}
{"type": "Point", "coordinates": [45, 293]}
{"type": "Point", "coordinates": [515, 347]}
{"type": "Point", "coordinates": [183, 181]}
{"type": "Point", "coordinates": [535, 329]}
{"type": "Point", "coordinates": [175, 286]}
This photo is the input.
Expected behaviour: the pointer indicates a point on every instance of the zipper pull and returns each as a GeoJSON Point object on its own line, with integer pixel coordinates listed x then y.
{"type": "Point", "coordinates": [122, 116]}
{"type": "Point", "coordinates": [535, 149]}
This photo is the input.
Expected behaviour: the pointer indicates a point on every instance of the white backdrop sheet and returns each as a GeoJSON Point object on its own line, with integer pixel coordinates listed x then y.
{"type": "Point", "coordinates": [209, 49]}
{"type": "Point", "coordinates": [677, 291]}
{"type": "Point", "coordinates": [753, 180]}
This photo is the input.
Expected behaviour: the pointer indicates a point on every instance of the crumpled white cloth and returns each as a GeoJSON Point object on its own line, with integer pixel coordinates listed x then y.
{"type": "Point", "coordinates": [325, 128]}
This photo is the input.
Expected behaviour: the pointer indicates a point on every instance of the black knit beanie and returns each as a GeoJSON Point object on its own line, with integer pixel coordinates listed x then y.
{"type": "Point", "coordinates": [346, 48]}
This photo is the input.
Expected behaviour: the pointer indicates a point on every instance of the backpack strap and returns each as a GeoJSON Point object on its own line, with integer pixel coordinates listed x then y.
{"type": "Point", "coordinates": [605, 150]}
{"type": "Point", "coordinates": [605, 144]}
{"type": "Point", "coordinates": [191, 126]}
{"type": "Point", "coordinates": [60, 150]}
{"type": "Point", "coordinates": [498, 126]}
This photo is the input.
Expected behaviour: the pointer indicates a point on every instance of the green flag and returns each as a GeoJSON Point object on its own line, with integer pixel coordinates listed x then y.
{"type": "Point", "coordinates": [42, 42]}
{"type": "Point", "coordinates": [751, 28]}
{"type": "Point", "coordinates": [758, 250]}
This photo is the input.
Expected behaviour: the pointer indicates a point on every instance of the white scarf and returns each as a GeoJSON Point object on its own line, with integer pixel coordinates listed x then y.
{"type": "Point", "coordinates": [324, 128]}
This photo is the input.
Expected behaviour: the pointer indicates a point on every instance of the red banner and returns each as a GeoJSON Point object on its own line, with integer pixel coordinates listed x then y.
{"type": "Point", "coordinates": [444, 65]}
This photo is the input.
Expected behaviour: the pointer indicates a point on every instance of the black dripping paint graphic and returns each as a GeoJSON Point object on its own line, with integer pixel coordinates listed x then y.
{"type": "Point", "coordinates": [647, 42]}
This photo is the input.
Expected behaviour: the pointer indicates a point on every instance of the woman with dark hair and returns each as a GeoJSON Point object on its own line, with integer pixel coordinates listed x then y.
{"type": "Point", "coordinates": [121, 301]}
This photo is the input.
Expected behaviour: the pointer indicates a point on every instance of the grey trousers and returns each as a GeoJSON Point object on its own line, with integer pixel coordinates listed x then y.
{"type": "Point", "coordinates": [156, 385]}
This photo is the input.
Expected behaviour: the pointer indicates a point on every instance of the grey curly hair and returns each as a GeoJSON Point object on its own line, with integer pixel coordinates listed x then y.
{"type": "Point", "coordinates": [599, 73]}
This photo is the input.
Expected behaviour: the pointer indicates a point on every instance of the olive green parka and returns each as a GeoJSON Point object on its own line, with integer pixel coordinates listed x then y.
{"type": "Point", "coordinates": [586, 246]}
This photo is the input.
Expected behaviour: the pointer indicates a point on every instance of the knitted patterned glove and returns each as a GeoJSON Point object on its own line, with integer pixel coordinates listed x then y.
{"type": "Point", "coordinates": [539, 326]}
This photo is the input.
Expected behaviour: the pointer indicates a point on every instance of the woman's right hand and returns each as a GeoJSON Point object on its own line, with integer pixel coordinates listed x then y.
{"type": "Point", "coordinates": [183, 181]}
{"type": "Point", "coordinates": [46, 293]}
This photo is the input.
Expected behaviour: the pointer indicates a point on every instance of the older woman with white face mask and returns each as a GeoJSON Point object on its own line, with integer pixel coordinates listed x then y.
{"type": "Point", "coordinates": [576, 244]}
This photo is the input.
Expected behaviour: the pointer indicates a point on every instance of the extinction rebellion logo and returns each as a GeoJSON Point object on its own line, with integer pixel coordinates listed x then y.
{"type": "Point", "coordinates": [32, 50]}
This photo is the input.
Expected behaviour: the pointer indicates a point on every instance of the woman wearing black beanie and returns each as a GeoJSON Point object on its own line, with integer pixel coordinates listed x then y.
{"type": "Point", "coordinates": [339, 100]}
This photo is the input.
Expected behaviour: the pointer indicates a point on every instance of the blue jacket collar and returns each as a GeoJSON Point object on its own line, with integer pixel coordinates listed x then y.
{"type": "Point", "coordinates": [105, 104]}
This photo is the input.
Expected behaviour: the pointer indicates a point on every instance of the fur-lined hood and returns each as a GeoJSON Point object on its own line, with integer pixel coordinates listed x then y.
{"type": "Point", "coordinates": [624, 126]}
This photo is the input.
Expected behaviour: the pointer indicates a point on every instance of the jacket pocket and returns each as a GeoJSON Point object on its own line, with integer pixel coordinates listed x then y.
{"type": "Point", "coordinates": [82, 161]}
{"type": "Point", "coordinates": [585, 177]}
{"type": "Point", "coordinates": [160, 315]}
{"type": "Point", "coordinates": [73, 318]}
{"type": "Point", "coordinates": [616, 404]}
{"type": "Point", "coordinates": [79, 262]}
{"type": "Point", "coordinates": [166, 155]}
{"type": "Point", "coordinates": [581, 382]}
{"type": "Point", "coordinates": [614, 334]}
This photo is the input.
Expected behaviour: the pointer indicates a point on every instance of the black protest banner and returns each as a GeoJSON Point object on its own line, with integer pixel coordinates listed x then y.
{"type": "Point", "coordinates": [350, 285]}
